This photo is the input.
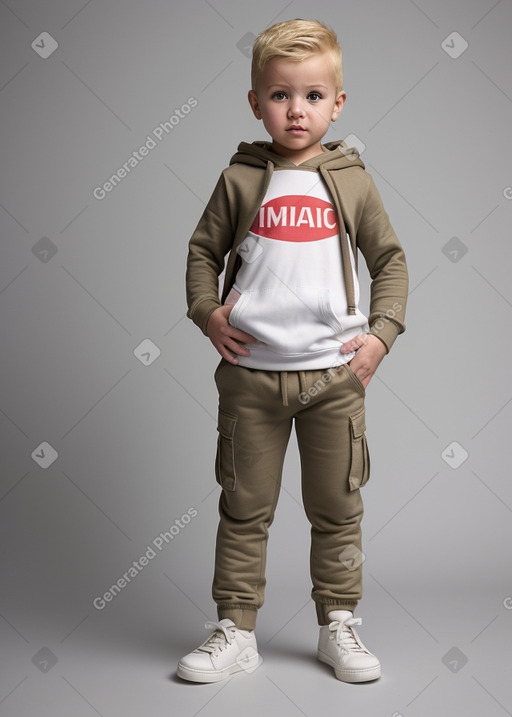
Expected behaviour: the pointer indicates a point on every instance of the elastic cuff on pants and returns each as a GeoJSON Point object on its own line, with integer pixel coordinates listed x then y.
{"type": "Point", "coordinates": [244, 616]}
{"type": "Point", "coordinates": [323, 609]}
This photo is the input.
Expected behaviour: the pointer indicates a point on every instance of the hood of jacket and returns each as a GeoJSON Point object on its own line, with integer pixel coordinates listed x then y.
{"type": "Point", "coordinates": [335, 155]}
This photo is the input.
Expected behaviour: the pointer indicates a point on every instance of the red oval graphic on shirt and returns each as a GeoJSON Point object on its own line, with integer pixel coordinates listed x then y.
{"type": "Point", "coordinates": [296, 217]}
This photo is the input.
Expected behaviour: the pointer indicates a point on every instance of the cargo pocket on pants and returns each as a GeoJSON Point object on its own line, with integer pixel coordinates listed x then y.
{"type": "Point", "coordinates": [360, 457]}
{"type": "Point", "coordinates": [225, 459]}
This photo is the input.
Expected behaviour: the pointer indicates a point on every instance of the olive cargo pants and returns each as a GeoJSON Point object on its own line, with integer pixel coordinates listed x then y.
{"type": "Point", "coordinates": [256, 412]}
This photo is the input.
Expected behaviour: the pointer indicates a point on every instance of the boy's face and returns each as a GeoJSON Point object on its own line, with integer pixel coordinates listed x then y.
{"type": "Point", "coordinates": [297, 101]}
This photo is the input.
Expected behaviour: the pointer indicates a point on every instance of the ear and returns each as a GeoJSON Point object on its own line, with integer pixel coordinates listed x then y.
{"type": "Point", "coordinates": [338, 105]}
{"type": "Point", "coordinates": [253, 101]}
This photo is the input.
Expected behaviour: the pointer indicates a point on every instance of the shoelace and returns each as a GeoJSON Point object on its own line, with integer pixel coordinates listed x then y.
{"type": "Point", "coordinates": [345, 636]}
{"type": "Point", "coordinates": [219, 639]}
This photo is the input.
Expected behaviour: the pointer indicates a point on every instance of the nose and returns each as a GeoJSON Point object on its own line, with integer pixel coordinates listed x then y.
{"type": "Point", "coordinates": [296, 108]}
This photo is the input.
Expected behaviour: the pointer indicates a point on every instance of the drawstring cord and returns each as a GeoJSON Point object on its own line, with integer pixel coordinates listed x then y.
{"type": "Point", "coordinates": [283, 382]}
{"type": "Point", "coordinates": [283, 375]}
{"type": "Point", "coordinates": [302, 382]}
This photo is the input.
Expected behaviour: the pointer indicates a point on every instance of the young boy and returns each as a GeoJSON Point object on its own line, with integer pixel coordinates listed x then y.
{"type": "Point", "coordinates": [294, 345]}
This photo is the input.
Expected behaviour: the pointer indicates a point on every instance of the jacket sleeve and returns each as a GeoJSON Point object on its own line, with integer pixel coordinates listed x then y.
{"type": "Point", "coordinates": [208, 246]}
{"type": "Point", "coordinates": [386, 263]}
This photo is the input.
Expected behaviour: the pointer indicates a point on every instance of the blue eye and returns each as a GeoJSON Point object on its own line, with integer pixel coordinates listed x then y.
{"type": "Point", "coordinates": [279, 96]}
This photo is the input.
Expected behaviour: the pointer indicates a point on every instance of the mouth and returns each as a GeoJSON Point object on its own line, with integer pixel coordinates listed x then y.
{"type": "Point", "coordinates": [296, 129]}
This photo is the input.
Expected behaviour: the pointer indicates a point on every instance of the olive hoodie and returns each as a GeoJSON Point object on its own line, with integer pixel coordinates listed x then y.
{"type": "Point", "coordinates": [361, 219]}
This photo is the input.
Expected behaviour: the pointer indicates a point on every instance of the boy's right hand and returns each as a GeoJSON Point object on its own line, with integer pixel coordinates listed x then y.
{"type": "Point", "coordinates": [226, 339]}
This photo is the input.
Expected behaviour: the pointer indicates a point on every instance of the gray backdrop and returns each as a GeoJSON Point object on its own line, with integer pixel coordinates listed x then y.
{"type": "Point", "coordinates": [108, 406]}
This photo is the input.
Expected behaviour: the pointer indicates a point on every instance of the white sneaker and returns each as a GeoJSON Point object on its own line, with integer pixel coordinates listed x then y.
{"type": "Point", "coordinates": [340, 647]}
{"type": "Point", "coordinates": [226, 651]}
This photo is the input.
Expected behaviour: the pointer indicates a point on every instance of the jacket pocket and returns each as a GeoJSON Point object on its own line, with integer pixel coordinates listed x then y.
{"type": "Point", "coordinates": [225, 459]}
{"type": "Point", "coordinates": [360, 457]}
{"type": "Point", "coordinates": [290, 321]}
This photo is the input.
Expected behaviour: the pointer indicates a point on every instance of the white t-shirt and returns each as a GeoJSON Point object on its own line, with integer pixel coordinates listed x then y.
{"type": "Point", "coordinates": [289, 292]}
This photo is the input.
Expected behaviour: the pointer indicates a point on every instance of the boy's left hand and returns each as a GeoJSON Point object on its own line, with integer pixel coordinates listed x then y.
{"type": "Point", "coordinates": [370, 352]}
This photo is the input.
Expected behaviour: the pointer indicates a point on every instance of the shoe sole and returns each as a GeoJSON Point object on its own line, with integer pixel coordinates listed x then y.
{"type": "Point", "coordinates": [187, 673]}
{"type": "Point", "coordinates": [371, 673]}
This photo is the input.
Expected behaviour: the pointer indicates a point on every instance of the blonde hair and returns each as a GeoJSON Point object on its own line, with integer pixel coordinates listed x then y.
{"type": "Point", "coordinates": [296, 40]}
